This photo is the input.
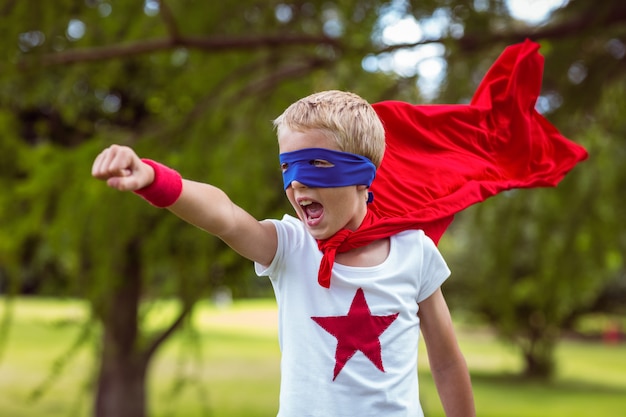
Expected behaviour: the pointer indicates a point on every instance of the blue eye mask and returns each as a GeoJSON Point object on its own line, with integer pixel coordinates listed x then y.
{"type": "Point", "coordinates": [325, 168]}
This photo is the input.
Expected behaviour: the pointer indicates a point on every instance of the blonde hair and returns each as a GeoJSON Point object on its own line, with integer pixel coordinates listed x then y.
{"type": "Point", "coordinates": [344, 117]}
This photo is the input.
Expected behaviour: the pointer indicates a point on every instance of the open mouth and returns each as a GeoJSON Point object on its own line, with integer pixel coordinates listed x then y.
{"type": "Point", "coordinates": [313, 211]}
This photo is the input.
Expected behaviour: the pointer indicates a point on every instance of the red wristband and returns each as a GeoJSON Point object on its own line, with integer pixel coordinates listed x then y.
{"type": "Point", "coordinates": [166, 187]}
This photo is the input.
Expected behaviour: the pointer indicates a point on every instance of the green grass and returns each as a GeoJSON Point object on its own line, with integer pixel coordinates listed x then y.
{"type": "Point", "coordinates": [230, 368]}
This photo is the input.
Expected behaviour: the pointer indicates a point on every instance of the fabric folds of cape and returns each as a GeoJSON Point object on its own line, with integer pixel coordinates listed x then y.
{"type": "Point", "coordinates": [440, 159]}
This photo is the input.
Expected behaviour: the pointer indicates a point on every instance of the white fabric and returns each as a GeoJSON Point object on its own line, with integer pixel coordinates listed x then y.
{"type": "Point", "coordinates": [413, 270]}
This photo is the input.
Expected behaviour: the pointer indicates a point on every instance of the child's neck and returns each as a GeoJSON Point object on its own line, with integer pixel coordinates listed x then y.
{"type": "Point", "coordinates": [366, 256]}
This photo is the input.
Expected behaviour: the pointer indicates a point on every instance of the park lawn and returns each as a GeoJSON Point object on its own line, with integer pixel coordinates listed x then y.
{"type": "Point", "coordinates": [229, 366]}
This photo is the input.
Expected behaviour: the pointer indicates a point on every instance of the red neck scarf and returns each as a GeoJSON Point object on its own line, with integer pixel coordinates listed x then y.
{"type": "Point", "coordinates": [371, 229]}
{"type": "Point", "coordinates": [342, 241]}
{"type": "Point", "coordinates": [440, 159]}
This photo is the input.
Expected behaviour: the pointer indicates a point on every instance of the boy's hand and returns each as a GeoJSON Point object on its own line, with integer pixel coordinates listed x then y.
{"type": "Point", "coordinates": [122, 169]}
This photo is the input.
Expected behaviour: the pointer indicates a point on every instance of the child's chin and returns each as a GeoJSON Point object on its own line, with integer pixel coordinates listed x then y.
{"type": "Point", "coordinates": [319, 234]}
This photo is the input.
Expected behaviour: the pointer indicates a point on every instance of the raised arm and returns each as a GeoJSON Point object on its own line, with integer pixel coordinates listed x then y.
{"type": "Point", "coordinates": [447, 363]}
{"type": "Point", "coordinates": [202, 205]}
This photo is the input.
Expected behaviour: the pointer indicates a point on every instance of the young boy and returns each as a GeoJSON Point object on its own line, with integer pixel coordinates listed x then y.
{"type": "Point", "coordinates": [348, 332]}
{"type": "Point", "coordinates": [357, 282]}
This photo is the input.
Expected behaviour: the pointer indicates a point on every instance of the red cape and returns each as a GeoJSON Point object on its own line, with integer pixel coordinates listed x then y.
{"type": "Point", "coordinates": [440, 159]}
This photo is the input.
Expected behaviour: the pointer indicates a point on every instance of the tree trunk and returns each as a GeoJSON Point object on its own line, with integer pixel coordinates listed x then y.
{"type": "Point", "coordinates": [539, 356]}
{"type": "Point", "coordinates": [538, 367]}
{"type": "Point", "coordinates": [121, 388]}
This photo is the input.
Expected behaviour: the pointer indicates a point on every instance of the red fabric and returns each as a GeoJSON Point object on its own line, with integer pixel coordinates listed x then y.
{"type": "Point", "coordinates": [359, 330]}
{"type": "Point", "coordinates": [166, 187]}
{"type": "Point", "coordinates": [440, 159]}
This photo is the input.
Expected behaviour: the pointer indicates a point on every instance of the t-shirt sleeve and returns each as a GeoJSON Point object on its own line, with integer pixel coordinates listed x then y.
{"type": "Point", "coordinates": [266, 270]}
{"type": "Point", "coordinates": [290, 235]}
{"type": "Point", "coordinates": [434, 269]}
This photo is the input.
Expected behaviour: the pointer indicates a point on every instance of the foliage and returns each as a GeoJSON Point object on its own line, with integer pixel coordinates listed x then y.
{"type": "Point", "coordinates": [196, 85]}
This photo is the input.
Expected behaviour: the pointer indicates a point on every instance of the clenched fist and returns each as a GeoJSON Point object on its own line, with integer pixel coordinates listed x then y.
{"type": "Point", "coordinates": [122, 169]}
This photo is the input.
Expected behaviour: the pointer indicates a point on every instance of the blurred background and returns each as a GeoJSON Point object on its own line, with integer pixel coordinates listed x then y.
{"type": "Point", "coordinates": [110, 307]}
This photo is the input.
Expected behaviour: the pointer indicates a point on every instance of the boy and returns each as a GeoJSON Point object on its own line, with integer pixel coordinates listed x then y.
{"type": "Point", "coordinates": [349, 347]}
{"type": "Point", "coordinates": [356, 282]}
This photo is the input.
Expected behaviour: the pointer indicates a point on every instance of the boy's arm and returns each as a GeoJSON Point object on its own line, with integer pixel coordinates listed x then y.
{"type": "Point", "coordinates": [447, 363]}
{"type": "Point", "coordinates": [210, 209]}
{"type": "Point", "coordinates": [200, 204]}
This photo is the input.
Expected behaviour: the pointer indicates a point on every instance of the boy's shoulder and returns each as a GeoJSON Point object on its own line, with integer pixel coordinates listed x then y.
{"type": "Point", "coordinates": [291, 228]}
{"type": "Point", "coordinates": [289, 221]}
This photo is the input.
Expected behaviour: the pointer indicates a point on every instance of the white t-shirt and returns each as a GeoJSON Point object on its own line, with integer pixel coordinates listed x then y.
{"type": "Point", "coordinates": [351, 349]}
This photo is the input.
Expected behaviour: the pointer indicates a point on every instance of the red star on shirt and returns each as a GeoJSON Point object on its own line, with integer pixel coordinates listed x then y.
{"type": "Point", "coordinates": [358, 331]}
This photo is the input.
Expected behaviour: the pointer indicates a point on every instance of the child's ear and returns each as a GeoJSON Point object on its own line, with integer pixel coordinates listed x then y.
{"type": "Point", "coordinates": [361, 187]}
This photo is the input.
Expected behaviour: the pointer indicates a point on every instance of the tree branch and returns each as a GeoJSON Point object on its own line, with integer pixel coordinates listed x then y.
{"type": "Point", "coordinates": [471, 42]}
{"type": "Point", "coordinates": [267, 83]}
{"type": "Point", "coordinates": [169, 20]}
{"type": "Point", "coordinates": [165, 334]}
{"type": "Point", "coordinates": [7, 8]}
{"type": "Point", "coordinates": [585, 21]}
{"type": "Point", "coordinates": [397, 46]}
{"type": "Point", "coordinates": [209, 44]}
{"type": "Point", "coordinates": [259, 86]}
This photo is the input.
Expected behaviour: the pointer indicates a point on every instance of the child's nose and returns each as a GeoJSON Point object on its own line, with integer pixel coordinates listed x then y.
{"type": "Point", "coordinates": [297, 184]}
